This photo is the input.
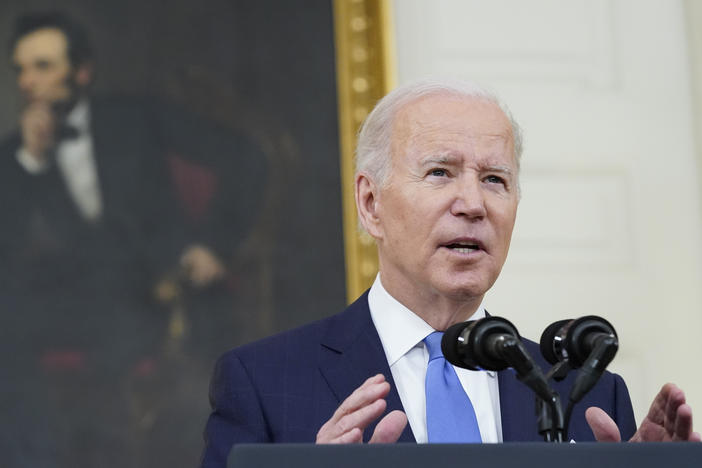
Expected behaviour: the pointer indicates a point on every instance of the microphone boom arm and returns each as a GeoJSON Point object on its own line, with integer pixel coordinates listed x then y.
{"type": "Point", "coordinates": [548, 402]}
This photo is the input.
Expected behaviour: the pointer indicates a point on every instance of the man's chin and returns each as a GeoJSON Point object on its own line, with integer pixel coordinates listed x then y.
{"type": "Point", "coordinates": [465, 291]}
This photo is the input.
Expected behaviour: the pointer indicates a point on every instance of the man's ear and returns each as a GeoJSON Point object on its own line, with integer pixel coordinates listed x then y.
{"type": "Point", "coordinates": [366, 193]}
{"type": "Point", "coordinates": [84, 74]}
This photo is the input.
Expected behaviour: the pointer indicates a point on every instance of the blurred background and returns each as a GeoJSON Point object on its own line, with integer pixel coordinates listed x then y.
{"type": "Point", "coordinates": [213, 130]}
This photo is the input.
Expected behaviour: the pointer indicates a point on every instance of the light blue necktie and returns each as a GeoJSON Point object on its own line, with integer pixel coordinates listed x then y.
{"type": "Point", "coordinates": [450, 414]}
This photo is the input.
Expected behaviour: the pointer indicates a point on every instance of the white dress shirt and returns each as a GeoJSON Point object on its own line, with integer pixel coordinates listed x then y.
{"type": "Point", "coordinates": [76, 163]}
{"type": "Point", "coordinates": [402, 333]}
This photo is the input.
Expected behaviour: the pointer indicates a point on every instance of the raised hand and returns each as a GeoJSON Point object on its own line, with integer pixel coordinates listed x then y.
{"type": "Point", "coordinates": [362, 407]}
{"type": "Point", "coordinates": [201, 265]}
{"type": "Point", "coordinates": [668, 419]}
{"type": "Point", "coordinates": [38, 125]}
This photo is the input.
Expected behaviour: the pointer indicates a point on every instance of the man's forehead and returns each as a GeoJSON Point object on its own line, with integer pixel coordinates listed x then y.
{"type": "Point", "coordinates": [43, 43]}
{"type": "Point", "coordinates": [438, 119]}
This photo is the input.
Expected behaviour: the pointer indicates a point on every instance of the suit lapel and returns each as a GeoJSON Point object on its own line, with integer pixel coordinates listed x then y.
{"type": "Point", "coordinates": [351, 353]}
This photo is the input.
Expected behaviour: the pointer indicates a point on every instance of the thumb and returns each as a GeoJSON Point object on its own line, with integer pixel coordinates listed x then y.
{"type": "Point", "coordinates": [389, 428]}
{"type": "Point", "coordinates": [603, 427]}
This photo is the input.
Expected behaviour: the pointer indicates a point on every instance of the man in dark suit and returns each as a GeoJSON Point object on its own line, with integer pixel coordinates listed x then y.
{"type": "Point", "coordinates": [437, 187]}
{"type": "Point", "coordinates": [91, 221]}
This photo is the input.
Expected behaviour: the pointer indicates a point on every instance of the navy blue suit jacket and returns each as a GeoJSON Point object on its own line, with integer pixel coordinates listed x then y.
{"type": "Point", "coordinates": [285, 387]}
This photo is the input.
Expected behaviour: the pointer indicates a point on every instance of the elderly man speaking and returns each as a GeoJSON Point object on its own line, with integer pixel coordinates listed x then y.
{"type": "Point", "coordinates": [437, 187]}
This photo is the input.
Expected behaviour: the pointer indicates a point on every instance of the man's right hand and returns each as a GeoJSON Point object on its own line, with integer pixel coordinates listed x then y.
{"type": "Point", "coordinates": [38, 128]}
{"type": "Point", "coordinates": [362, 407]}
{"type": "Point", "coordinates": [669, 419]}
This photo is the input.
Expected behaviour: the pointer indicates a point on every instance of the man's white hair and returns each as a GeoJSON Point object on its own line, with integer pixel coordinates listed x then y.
{"type": "Point", "coordinates": [375, 137]}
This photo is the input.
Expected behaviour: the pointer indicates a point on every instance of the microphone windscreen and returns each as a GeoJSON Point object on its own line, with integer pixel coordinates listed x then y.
{"type": "Point", "coordinates": [547, 337]}
{"type": "Point", "coordinates": [450, 343]}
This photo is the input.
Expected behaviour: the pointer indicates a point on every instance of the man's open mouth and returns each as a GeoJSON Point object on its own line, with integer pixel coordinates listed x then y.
{"type": "Point", "coordinates": [464, 247]}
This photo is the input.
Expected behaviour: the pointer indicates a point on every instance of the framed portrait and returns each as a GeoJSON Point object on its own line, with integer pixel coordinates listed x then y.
{"type": "Point", "coordinates": [217, 207]}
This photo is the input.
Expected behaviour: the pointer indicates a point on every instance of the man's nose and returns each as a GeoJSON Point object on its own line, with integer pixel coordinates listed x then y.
{"type": "Point", "coordinates": [469, 199]}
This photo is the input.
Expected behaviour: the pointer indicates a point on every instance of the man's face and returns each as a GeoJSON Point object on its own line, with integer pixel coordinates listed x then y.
{"type": "Point", "coordinates": [44, 71]}
{"type": "Point", "coordinates": [445, 215]}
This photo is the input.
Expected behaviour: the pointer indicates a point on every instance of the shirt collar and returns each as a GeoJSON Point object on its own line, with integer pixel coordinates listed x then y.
{"type": "Point", "coordinates": [79, 116]}
{"type": "Point", "coordinates": [399, 328]}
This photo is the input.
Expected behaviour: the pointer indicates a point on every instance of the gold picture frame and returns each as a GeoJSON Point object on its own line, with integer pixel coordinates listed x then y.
{"type": "Point", "coordinates": [365, 67]}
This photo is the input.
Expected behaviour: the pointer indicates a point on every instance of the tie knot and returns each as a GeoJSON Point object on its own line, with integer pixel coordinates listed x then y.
{"type": "Point", "coordinates": [433, 343]}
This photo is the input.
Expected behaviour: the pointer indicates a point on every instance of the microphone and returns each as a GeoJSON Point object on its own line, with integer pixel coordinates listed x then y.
{"type": "Point", "coordinates": [475, 345]}
{"type": "Point", "coordinates": [493, 343]}
{"type": "Point", "coordinates": [574, 340]}
{"type": "Point", "coordinates": [551, 342]}
{"type": "Point", "coordinates": [589, 343]}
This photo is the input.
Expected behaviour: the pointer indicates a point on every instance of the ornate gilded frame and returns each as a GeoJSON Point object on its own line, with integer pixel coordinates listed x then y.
{"type": "Point", "coordinates": [365, 67]}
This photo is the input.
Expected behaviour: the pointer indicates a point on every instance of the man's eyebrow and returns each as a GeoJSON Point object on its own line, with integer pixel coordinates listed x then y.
{"type": "Point", "coordinates": [439, 159]}
{"type": "Point", "coordinates": [498, 168]}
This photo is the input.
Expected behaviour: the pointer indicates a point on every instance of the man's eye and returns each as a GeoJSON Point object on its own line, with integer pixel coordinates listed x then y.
{"type": "Point", "coordinates": [493, 179]}
{"type": "Point", "coordinates": [438, 172]}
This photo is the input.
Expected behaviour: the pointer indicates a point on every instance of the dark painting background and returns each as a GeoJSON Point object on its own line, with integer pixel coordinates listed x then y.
{"type": "Point", "coordinates": [262, 69]}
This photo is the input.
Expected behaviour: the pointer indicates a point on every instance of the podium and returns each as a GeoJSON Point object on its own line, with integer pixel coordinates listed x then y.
{"type": "Point", "coordinates": [507, 455]}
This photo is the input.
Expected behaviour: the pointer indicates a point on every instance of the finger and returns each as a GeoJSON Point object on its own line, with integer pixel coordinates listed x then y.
{"type": "Point", "coordinates": [695, 437]}
{"type": "Point", "coordinates": [658, 410]}
{"type": "Point", "coordinates": [38, 127]}
{"type": "Point", "coordinates": [38, 113]}
{"type": "Point", "coordinates": [675, 399]}
{"type": "Point", "coordinates": [361, 417]}
{"type": "Point", "coordinates": [199, 275]}
{"type": "Point", "coordinates": [389, 428]}
{"type": "Point", "coordinates": [354, 436]}
{"type": "Point", "coordinates": [39, 105]}
{"type": "Point", "coordinates": [333, 431]}
{"type": "Point", "coordinates": [372, 389]}
{"type": "Point", "coordinates": [364, 405]}
{"type": "Point", "coordinates": [208, 270]}
{"type": "Point", "coordinates": [683, 423]}
{"type": "Point", "coordinates": [603, 427]}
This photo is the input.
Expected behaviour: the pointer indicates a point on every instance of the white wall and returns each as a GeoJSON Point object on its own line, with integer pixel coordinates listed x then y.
{"type": "Point", "coordinates": [610, 221]}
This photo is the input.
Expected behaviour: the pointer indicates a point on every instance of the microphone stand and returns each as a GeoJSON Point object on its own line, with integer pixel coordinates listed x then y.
{"type": "Point", "coordinates": [550, 418]}
{"type": "Point", "coordinates": [548, 402]}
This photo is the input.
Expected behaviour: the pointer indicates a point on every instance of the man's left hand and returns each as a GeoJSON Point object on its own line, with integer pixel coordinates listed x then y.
{"type": "Point", "coordinates": [668, 420]}
{"type": "Point", "coordinates": [201, 265]}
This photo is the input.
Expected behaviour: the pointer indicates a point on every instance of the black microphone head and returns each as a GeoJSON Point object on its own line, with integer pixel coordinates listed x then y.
{"type": "Point", "coordinates": [579, 342]}
{"type": "Point", "coordinates": [464, 344]}
{"type": "Point", "coordinates": [573, 340]}
{"type": "Point", "coordinates": [454, 340]}
{"type": "Point", "coordinates": [551, 341]}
